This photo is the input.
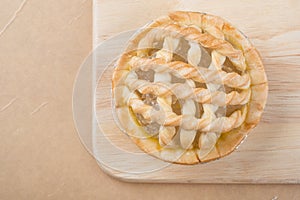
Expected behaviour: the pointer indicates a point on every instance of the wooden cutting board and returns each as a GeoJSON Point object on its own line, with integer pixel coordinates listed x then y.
{"type": "Point", "coordinates": [271, 153]}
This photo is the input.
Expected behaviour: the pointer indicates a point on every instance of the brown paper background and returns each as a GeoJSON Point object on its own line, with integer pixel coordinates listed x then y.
{"type": "Point", "coordinates": [41, 156]}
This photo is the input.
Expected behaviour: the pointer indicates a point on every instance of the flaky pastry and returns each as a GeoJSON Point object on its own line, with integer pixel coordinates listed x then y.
{"type": "Point", "coordinates": [189, 87]}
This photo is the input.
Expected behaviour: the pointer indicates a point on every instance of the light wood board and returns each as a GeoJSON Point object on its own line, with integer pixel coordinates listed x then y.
{"type": "Point", "coordinates": [271, 153]}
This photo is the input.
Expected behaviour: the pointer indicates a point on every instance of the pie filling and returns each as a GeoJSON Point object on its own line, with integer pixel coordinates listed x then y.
{"type": "Point", "coordinates": [149, 75]}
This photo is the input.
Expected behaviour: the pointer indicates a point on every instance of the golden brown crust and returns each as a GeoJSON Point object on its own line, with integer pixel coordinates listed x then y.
{"type": "Point", "coordinates": [218, 35]}
{"type": "Point", "coordinates": [188, 71]}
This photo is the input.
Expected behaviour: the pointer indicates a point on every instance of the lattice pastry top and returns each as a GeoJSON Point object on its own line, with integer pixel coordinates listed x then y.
{"type": "Point", "coordinates": [189, 87]}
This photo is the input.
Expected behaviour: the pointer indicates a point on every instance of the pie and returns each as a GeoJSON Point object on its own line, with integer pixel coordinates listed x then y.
{"type": "Point", "coordinates": [188, 88]}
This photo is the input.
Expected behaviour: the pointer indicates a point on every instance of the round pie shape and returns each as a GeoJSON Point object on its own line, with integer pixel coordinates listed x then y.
{"type": "Point", "coordinates": [189, 87]}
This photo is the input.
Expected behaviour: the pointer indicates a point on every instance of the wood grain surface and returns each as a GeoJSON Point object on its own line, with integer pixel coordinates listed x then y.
{"type": "Point", "coordinates": [271, 153]}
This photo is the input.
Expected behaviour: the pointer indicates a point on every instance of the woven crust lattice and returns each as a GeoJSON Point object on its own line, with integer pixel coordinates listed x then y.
{"type": "Point", "coordinates": [189, 87]}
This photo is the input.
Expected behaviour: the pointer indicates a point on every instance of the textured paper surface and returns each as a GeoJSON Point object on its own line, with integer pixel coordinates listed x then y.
{"type": "Point", "coordinates": [41, 156]}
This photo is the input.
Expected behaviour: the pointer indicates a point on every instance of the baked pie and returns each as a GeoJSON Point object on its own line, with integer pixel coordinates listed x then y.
{"type": "Point", "coordinates": [189, 87]}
